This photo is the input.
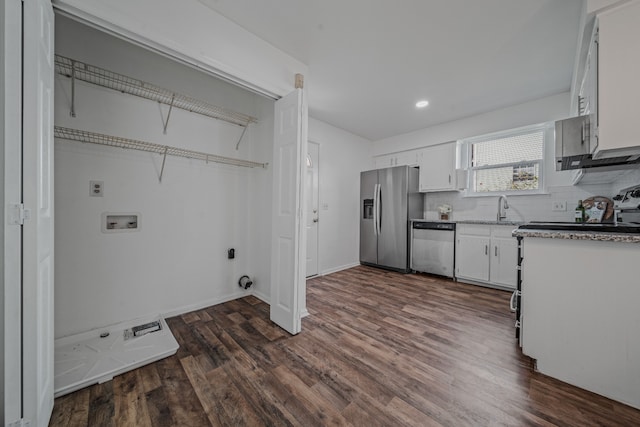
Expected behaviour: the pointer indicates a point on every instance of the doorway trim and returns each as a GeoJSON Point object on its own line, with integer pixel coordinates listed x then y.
{"type": "Point", "coordinates": [12, 195]}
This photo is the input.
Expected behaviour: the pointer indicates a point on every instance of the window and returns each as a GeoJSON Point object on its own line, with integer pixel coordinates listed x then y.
{"type": "Point", "coordinates": [506, 162]}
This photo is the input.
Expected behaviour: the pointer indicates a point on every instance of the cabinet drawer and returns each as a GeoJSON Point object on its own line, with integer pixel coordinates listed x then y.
{"type": "Point", "coordinates": [473, 229]}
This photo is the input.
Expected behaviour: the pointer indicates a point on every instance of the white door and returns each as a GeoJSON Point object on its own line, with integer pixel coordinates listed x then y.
{"type": "Point", "coordinates": [37, 273]}
{"type": "Point", "coordinates": [11, 169]}
{"type": "Point", "coordinates": [288, 243]}
{"type": "Point", "coordinates": [312, 203]}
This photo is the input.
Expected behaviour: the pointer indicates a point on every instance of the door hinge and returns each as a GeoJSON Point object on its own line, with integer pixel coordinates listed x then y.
{"type": "Point", "coordinates": [18, 214]}
{"type": "Point", "coordinates": [20, 423]}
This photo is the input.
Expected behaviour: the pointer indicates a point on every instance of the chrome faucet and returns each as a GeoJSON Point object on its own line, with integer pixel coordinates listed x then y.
{"type": "Point", "coordinates": [502, 207]}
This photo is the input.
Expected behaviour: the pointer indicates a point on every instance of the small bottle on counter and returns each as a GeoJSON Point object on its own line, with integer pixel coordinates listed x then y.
{"type": "Point", "coordinates": [579, 215]}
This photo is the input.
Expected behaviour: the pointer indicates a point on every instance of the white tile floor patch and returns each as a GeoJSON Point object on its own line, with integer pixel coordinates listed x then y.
{"type": "Point", "coordinates": [85, 359]}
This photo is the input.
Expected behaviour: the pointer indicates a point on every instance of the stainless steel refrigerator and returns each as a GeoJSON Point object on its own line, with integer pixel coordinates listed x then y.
{"type": "Point", "coordinates": [389, 198]}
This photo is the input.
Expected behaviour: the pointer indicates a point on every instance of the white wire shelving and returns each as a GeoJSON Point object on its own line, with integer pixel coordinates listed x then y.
{"type": "Point", "coordinates": [164, 150]}
{"type": "Point", "coordinates": [77, 70]}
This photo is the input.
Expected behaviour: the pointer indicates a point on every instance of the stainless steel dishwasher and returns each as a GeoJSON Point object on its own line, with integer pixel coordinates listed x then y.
{"type": "Point", "coordinates": [432, 247]}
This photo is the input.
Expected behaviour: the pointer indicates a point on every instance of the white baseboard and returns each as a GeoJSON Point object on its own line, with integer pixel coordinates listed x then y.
{"type": "Point", "coordinates": [262, 297]}
{"type": "Point", "coordinates": [202, 304]}
{"type": "Point", "coordinates": [265, 299]}
{"type": "Point", "coordinates": [214, 301]}
{"type": "Point", "coordinates": [336, 269]}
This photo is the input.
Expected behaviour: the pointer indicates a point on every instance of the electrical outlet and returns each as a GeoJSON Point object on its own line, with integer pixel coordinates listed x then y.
{"type": "Point", "coordinates": [558, 206]}
{"type": "Point", "coordinates": [96, 188]}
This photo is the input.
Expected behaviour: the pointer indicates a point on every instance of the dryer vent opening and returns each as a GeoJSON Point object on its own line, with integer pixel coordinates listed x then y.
{"type": "Point", "coordinates": [245, 282]}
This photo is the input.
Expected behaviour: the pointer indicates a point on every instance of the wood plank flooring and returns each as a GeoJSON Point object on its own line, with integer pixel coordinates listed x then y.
{"type": "Point", "coordinates": [379, 349]}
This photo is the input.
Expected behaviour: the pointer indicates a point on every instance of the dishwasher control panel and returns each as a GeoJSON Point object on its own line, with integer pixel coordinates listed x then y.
{"type": "Point", "coordinates": [434, 225]}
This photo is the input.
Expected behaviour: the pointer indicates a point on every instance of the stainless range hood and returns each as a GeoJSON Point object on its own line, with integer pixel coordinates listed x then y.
{"type": "Point", "coordinates": [573, 150]}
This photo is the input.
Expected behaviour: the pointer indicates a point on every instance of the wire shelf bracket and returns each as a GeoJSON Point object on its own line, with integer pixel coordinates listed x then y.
{"type": "Point", "coordinates": [163, 150]}
{"type": "Point", "coordinates": [165, 122]}
{"type": "Point", "coordinates": [77, 70]}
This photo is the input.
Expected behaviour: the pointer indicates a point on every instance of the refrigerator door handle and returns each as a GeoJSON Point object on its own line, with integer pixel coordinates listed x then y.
{"type": "Point", "coordinates": [379, 207]}
{"type": "Point", "coordinates": [375, 210]}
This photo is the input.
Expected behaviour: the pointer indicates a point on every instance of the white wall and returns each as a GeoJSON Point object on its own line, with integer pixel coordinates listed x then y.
{"type": "Point", "coordinates": [195, 33]}
{"type": "Point", "coordinates": [177, 261]}
{"type": "Point", "coordinates": [522, 208]}
{"type": "Point", "coordinates": [538, 111]}
{"type": "Point", "coordinates": [342, 157]}
{"type": "Point", "coordinates": [260, 199]}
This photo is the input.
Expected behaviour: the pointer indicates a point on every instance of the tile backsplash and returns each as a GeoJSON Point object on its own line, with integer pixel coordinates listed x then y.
{"type": "Point", "coordinates": [523, 208]}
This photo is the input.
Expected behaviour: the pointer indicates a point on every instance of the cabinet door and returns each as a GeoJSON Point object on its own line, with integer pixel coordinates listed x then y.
{"type": "Point", "coordinates": [472, 257]}
{"type": "Point", "coordinates": [619, 90]}
{"type": "Point", "coordinates": [504, 261]}
{"type": "Point", "coordinates": [407, 158]}
{"type": "Point", "coordinates": [438, 167]}
{"type": "Point", "coordinates": [385, 161]}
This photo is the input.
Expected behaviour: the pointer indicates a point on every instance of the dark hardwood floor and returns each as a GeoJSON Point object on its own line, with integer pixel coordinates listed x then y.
{"type": "Point", "coordinates": [379, 349]}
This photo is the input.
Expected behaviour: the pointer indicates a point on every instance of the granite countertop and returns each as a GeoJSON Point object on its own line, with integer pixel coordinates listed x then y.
{"type": "Point", "coordinates": [579, 235]}
{"type": "Point", "coordinates": [489, 222]}
{"type": "Point", "coordinates": [473, 221]}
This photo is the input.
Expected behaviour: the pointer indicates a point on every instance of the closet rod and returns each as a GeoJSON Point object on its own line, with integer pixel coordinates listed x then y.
{"type": "Point", "coordinates": [78, 70]}
{"type": "Point", "coordinates": [114, 141]}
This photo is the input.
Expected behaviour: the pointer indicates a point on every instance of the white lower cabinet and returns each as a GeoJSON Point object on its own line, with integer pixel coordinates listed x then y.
{"type": "Point", "coordinates": [472, 257]}
{"type": "Point", "coordinates": [580, 317]}
{"type": "Point", "coordinates": [487, 254]}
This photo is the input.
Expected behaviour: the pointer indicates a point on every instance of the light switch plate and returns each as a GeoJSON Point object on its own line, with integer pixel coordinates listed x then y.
{"type": "Point", "coordinates": [558, 206]}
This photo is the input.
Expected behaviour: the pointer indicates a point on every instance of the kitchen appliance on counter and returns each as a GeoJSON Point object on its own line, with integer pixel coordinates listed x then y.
{"type": "Point", "coordinates": [432, 247]}
{"type": "Point", "coordinates": [388, 199]}
{"type": "Point", "coordinates": [626, 205]}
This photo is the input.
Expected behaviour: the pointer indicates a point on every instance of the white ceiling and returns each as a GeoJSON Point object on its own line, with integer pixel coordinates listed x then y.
{"type": "Point", "coordinates": [371, 60]}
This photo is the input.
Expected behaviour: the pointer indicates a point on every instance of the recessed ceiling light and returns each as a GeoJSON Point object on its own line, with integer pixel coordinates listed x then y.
{"type": "Point", "coordinates": [422, 104]}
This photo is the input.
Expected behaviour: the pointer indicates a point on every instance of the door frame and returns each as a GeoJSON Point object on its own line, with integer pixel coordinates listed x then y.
{"type": "Point", "coordinates": [38, 196]}
{"type": "Point", "coordinates": [11, 166]}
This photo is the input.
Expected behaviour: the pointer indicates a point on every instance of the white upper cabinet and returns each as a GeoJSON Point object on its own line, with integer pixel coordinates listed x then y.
{"type": "Point", "coordinates": [403, 158]}
{"type": "Point", "coordinates": [438, 168]}
{"type": "Point", "coordinates": [618, 90]}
